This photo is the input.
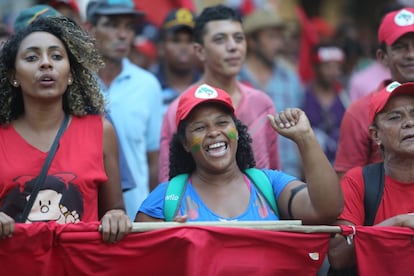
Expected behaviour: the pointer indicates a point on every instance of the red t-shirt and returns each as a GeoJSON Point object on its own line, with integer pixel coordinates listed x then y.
{"type": "Point", "coordinates": [355, 146]}
{"type": "Point", "coordinates": [69, 193]}
{"type": "Point", "coordinates": [397, 198]}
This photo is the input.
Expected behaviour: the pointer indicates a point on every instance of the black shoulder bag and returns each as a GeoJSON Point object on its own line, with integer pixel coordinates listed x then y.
{"type": "Point", "coordinates": [41, 178]}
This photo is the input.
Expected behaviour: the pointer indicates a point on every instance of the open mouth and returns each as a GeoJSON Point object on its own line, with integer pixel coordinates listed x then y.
{"type": "Point", "coordinates": [46, 79]}
{"type": "Point", "coordinates": [217, 149]}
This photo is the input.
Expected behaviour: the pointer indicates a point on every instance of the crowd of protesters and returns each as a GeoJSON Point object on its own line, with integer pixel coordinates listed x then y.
{"type": "Point", "coordinates": [303, 96]}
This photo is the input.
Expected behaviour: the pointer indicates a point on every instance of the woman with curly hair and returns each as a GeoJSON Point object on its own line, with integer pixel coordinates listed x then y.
{"type": "Point", "coordinates": [46, 75]}
{"type": "Point", "coordinates": [212, 150]}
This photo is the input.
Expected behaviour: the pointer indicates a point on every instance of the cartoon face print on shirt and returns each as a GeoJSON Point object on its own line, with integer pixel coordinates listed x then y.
{"type": "Point", "coordinates": [58, 199]}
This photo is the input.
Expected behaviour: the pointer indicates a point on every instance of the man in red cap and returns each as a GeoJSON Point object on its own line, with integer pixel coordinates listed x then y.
{"type": "Point", "coordinates": [391, 115]}
{"type": "Point", "coordinates": [396, 38]}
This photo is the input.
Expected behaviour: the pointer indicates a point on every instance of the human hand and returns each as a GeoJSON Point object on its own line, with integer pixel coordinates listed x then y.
{"type": "Point", "coordinates": [115, 224]}
{"type": "Point", "coordinates": [6, 226]}
{"type": "Point", "coordinates": [291, 123]}
{"type": "Point", "coordinates": [403, 220]}
{"type": "Point", "coordinates": [181, 219]}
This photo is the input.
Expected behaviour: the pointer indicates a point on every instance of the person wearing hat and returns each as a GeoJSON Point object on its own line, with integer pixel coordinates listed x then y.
{"type": "Point", "coordinates": [133, 97]}
{"type": "Point", "coordinates": [325, 98]}
{"type": "Point", "coordinates": [396, 51]}
{"type": "Point", "coordinates": [28, 15]}
{"type": "Point", "coordinates": [220, 46]}
{"type": "Point", "coordinates": [67, 8]}
{"type": "Point", "coordinates": [177, 68]}
{"type": "Point", "coordinates": [213, 147]}
{"type": "Point", "coordinates": [265, 70]}
{"type": "Point", "coordinates": [391, 116]}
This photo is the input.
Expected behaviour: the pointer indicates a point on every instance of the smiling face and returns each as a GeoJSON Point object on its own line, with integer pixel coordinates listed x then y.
{"type": "Point", "coordinates": [399, 58]}
{"type": "Point", "coordinates": [42, 66]}
{"type": "Point", "coordinates": [211, 137]}
{"type": "Point", "coordinates": [395, 126]}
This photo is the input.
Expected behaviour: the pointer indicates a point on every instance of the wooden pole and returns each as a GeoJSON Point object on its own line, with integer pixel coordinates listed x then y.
{"type": "Point", "coordinates": [282, 225]}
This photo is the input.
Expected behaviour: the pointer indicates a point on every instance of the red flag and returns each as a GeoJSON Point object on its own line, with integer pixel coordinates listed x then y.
{"type": "Point", "coordinates": [308, 39]}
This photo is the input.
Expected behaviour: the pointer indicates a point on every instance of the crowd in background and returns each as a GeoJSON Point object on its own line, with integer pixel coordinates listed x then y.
{"type": "Point", "coordinates": [297, 60]}
{"type": "Point", "coordinates": [289, 83]}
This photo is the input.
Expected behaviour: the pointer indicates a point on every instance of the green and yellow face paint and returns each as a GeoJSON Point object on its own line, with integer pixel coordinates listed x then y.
{"type": "Point", "coordinates": [233, 134]}
{"type": "Point", "coordinates": [196, 144]}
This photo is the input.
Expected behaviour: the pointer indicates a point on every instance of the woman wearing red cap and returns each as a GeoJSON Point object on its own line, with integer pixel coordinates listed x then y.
{"type": "Point", "coordinates": [212, 150]}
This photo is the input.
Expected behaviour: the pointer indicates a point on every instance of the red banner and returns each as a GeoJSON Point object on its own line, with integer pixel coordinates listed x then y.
{"type": "Point", "coordinates": [46, 249]}
{"type": "Point", "coordinates": [384, 251]}
{"type": "Point", "coordinates": [52, 249]}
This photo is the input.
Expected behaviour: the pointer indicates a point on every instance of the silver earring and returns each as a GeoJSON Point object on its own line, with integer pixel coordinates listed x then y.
{"type": "Point", "coordinates": [70, 81]}
{"type": "Point", "coordinates": [15, 83]}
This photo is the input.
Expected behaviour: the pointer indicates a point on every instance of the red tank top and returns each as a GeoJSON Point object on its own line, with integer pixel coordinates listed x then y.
{"type": "Point", "coordinates": [70, 191]}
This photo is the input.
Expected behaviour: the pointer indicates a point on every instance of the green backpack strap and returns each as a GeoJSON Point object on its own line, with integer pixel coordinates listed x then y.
{"type": "Point", "coordinates": [176, 186]}
{"type": "Point", "coordinates": [175, 189]}
{"type": "Point", "coordinates": [263, 185]}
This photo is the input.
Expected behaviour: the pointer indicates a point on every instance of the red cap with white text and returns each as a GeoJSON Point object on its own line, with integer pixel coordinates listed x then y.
{"type": "Point", "coordinates": [198, 94]}
{"type": "Point", "coordinates": [380, 99]}
{"type": "Point", "coordinates": [395, 24]}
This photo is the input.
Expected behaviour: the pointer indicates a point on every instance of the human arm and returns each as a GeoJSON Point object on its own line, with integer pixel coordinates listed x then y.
{"type": "Point", "coordinates": [403, 220]}
{"type": "Point", "coordinates": [322, 201]}
{"type": "Point", "coordinates": [6, 225]}
{"type": "Point", "coordinates": [152, 157]}
{"type": "Point", "coordinates": [114, 221]}
{"type": "Point", "coordinates": [341, 254]}
{"type": "Point", "coordinates": [167, 130]}
{"type": "Point", "coordinates": [141, 217]}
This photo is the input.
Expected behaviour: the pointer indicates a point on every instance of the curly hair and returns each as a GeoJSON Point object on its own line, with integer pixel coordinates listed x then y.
{"type": "Point", "coordinates": [83, 96]}
{"type": "Point", "coordinates": [182, 161]}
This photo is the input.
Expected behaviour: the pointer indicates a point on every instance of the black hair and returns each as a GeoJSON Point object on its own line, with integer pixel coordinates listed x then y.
{"type": "Point", "coordinates": [214, 13]}
{"type": "Point", "coordinates": [182, 161]}
{"type": "Point", "coordinates": [82, 96]}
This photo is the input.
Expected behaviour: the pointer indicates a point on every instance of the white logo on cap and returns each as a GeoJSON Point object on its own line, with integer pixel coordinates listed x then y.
{"type": "Point", "coordinates": [205, 91]}
{"type": "Point", "coordinates": [392, 86]}
{"type": "Point", "coordinates": [404, 18]}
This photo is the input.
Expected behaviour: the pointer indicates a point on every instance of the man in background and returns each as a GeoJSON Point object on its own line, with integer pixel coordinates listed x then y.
{"type": "Point", "coordinates": [133, 98]}
{"type": "Point", "coordinates": [177, 68]}
{"type": "Point", "coordinates": [220, 46]}
{"type": "Point", "coordinates": [265, 31]}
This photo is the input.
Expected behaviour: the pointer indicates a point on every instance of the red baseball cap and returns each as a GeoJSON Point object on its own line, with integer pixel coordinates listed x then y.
{"type": "Point", "coordinates": [70, 3]}
{"type": "Point", "coordinates": [396, 24]}
{"type": "Point", "coordinates": [381, 98]}
{"type": "Point", "coordinates": [198, 94]}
